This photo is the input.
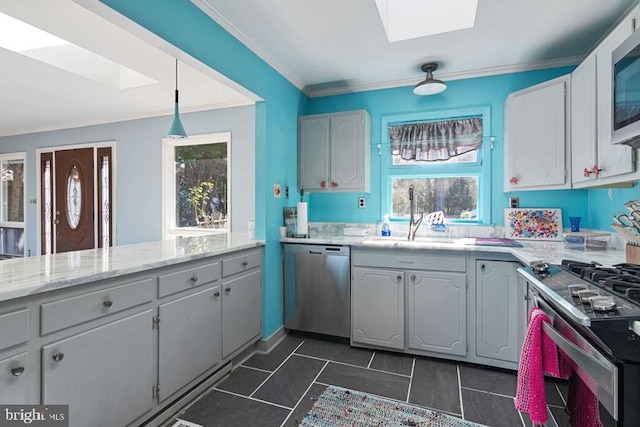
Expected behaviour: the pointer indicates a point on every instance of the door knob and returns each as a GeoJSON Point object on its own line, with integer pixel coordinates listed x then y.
{"type": "Point", "coordinates": [399, 278]}
{"type": "Point", "coordinates": [513, 180]}
{"type": "Point", "coordinates": [194, 278]}
{"type": "Point", "coordinates": [216, 294]}
{"type": "Point", "coordinates": [107, 303]}
{"type": "Point", "coordinates": [227, 290]}
{"type": "Point", "coordinates": [57, 357]}
{"type": "Point", "coordinates": [413, 277]}
{"type": "Point", "coordinates": [17, 371]}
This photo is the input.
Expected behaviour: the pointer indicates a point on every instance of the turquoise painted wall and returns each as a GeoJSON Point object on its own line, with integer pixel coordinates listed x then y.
{"type": "Point", "coordinates": [477, 92]}
{"type": "Point", "coordinates": [604, 203]}
{"type": "Point", "coordinates": [182, 24]}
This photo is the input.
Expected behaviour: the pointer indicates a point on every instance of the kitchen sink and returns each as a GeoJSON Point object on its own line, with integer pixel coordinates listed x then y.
{"type": "Point", "coordinates": [418, 240]}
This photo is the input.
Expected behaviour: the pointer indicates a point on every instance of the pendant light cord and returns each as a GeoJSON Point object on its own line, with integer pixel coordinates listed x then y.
{"type": "Point", "coordinates": [176, 80]}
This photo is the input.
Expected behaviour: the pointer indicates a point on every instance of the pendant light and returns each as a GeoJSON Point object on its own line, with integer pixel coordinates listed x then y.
{"type": "Point", "coordinates": [429, 86]}
{"type": "Point", "coordinates": [177, 130]}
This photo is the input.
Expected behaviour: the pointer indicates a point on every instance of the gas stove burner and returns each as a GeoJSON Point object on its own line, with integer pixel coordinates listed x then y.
{"type": "Point", "coordinates": [578, 266]}
{"type": "Point", "coordinates": [601, 303]}
{"type": "Point", "coordinates": [574, 289]}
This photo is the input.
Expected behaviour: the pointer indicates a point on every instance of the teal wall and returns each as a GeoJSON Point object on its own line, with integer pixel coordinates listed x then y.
{"type": "Point", "coordinates": [488, 92]}
{"type": "Point", "coordinates": [604, 203]}
{"type": "Point", "coordinates": [182, 24]}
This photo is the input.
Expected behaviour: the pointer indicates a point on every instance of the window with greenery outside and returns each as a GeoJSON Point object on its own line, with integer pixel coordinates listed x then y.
{"type": "Point", "coordinates": [201, 185]}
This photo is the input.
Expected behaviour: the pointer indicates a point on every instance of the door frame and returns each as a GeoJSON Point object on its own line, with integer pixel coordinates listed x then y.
{"type": "Point", "coordinates": [95, 145]}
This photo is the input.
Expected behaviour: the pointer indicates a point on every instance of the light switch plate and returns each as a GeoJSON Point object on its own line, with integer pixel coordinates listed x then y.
{"type": "Point", "coordinates": [361, 203]}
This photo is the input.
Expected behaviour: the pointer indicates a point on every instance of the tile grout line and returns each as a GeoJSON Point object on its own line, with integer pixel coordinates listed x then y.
{"type": "Point", "coordinates": [254, 368]}
{"type": "Point", "coordinates": [460, 392]}
{"type": "Point", "coordinates": [353, 366]}
{"type": "Point", "coordinates": [413, 366]}
{"type": "Point", "coordinates": [488, 392]}
{"type": "Point", "coordinates": [561, 395]}
{"type": "Point", "coordinates": [255, 399]}
{"type": "Point", "coordinates": [521, 417]}
{"type": "Point", "coordinates": [304, 394]}
{"type": "Point", "coordinates": [371, 360]}
{"type": "Point", "coordinates": [276, 370]}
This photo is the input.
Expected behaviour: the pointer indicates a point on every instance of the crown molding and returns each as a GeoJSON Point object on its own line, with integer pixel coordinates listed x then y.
{"type": "Point", "coordinates": [480, 72]}
{"type": "Point", "coordinates": [232, 29]}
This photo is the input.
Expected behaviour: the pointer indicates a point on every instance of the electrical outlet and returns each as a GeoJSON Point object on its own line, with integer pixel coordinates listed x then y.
{"type": "Point", "coordinates": [514, 202]}
{"type": "Point", "coordinates": [286, 191]}
{"type": "Point", "coordinates": [361, 203]}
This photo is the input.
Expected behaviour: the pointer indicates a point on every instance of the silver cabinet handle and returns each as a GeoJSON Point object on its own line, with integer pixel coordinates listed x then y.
{"type": "Point", "coordinates": [107, 303]}
{"type": "Point", "coordinates": [482, 267]}
{"type": "Point", "coordinates": [244, 264]}
{"type": "Point", "coordinates": [216, 294]}
{"type": "Point", "coordinates": [399, 278]}
{"type": "Point", "coordinates": [17, 371]}
{"type": "Point", "coordinates": [194, 278]}
{"type": "Point", "coordinates": [57, 357]}
{"type": "Point", "coordinates": [413, 277]}
{"type": "Point", "coordinates": [227, 290]}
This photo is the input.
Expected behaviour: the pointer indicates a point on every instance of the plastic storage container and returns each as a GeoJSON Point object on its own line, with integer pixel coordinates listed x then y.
{"type": "Point", "coordinates": [386, 226]}
{"type": "Point", "coordinates": [586, 241]}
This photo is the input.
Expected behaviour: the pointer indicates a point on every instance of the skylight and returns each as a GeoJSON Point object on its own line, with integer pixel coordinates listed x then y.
{"type": "Point", "coordinates": [25, 39]}
{"type": "Point", "coordinates": [409, 19]}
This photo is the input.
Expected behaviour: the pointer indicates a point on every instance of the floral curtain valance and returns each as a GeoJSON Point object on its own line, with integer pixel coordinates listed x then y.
{"type": "Point", "coordinates": [434, 141]}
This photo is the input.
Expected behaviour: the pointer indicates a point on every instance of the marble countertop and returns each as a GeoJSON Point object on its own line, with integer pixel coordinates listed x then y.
{"type": "Point", "coordinates": [548, 251]}
{"type": "Point", "coordinates": [21, 277]}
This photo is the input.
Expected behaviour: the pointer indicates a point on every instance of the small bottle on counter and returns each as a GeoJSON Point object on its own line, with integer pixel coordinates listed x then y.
{"type": "Point", "coordinates": [386, 227]}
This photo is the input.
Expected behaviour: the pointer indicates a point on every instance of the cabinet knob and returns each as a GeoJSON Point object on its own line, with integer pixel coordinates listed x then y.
{"type": "Point", "coordinates": [323, 184]}
{"type": "Point", "coordinates": [194, 279]}
{"type": "Point", "coordinates": [227, 290]}
{"type": "Point", "coordinates": [216, 294]}
{"type": "Point", "coordinates": [57, 357]}
{"type": "Point", "coordinates": [594, 170]}
{"type": "Point", "coordinates": [413, 277]}
{"type": "Point", "coordinates": [513, 180]}
{"type": "Point", "coordinates": [399, 278]}
{"type": "Point", "coordinates": [17, 371]}
{"type": "Point", "coordinates": [244, 264]}
{"type": "Point", "coordinates": [334, 184]}
{"type": "Point", "coordinates": [482, 267]}
{"type": "Point", "coordinates": [107, 303]}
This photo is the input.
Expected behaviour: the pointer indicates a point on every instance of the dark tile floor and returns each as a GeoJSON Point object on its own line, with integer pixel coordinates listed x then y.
{"type": "Point", "coordinates": [277, 389]}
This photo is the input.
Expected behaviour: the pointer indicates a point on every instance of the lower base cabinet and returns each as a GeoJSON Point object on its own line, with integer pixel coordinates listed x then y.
{"type": "Point", "coordinates": [377, 307]}
{"type": "Point", "coordinates": [14, 382]}
{"type": "Point", "coordinates": [104, 374]}
{"type": "Point", "coordinates": [241, 310]}
{"type": "Point", "coordinates": [437, 312]}
{"type": "Point", "coordinates": [497, 308]}
{"type": "Point", "coordinates": [189, 339]}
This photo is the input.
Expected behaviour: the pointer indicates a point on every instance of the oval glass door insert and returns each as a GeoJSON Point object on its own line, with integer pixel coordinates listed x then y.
{"type": "Point", "coordinates": [74, 197]}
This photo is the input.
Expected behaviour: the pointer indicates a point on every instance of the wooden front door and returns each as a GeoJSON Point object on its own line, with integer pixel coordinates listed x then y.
{"type": "Point", "coordinates": [76, 195]}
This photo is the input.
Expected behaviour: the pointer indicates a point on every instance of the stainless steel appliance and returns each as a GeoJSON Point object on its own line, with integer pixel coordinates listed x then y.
{"type": "Point", "coordinates": [316, 289]}
{"type": "Point", "coordinates": [626, 92]}
{"type": "Point", "coordinates": [595, 321]}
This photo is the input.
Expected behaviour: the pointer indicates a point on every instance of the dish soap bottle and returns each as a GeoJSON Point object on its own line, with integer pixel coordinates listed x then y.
{"type": "Point", "coordinates": [386, 229]}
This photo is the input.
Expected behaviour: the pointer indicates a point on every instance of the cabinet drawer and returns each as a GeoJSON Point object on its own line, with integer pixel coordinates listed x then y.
{"type": "Point", "coordinates": [14, 328]}
{"type": "Point", "coordinates": [409, 259]}
{"type": "Point", "coordinates": [189, 278]}
{"type": "Point", "coordinates": [241, 262]}
{"type": "Point", "coordinates": [62, 314]}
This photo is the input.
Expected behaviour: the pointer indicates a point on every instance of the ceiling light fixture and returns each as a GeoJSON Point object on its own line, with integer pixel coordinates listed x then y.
{"type": "Point", "coordinates": [429, 86]}
{"type": "Point", "coordinates": [177, 130]}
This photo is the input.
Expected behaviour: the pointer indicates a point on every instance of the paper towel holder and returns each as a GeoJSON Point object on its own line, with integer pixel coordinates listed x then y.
{"type": "Point", "coordinates": [291, 223]}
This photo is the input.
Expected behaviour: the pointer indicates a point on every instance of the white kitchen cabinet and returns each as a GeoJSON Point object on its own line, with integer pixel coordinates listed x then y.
{"type": "Point", "coordinates": [537, 153]}
{"type": "Point", "coordinates": [497, 310]}
{"type": "Point", "coordinates": [104, 374]}
{"type": "Point", "coordinates": [189, 330]}
{"type": "Point", "coordinates": [14, 379]}
{"type": "Point", "coordinates": [334, 152]}
{"type": "Point", "coordinates": [241, 310]}
{"type": "Point", "coordinates": [584, 137]}
{"type": "Point", "coordinates": [377, 307]}
{"type": "Point", "coordinates": [437, 312]}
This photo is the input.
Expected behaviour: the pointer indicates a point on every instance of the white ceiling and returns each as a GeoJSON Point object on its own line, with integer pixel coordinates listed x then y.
{"type": "Point", "coordinates": [323, 47]}
{"type": "Point", "coordinates": [337, 46]}
{"type": "Point", "coordinates": [35, 96]}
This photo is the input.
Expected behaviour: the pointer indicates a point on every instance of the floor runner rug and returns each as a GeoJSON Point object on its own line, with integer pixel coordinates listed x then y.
{"type": "Point", "coordinates": [339, 407]}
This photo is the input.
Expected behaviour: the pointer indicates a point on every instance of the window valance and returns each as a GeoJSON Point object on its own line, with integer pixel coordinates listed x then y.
{"type": "Point", "coordinates": [436, 141]}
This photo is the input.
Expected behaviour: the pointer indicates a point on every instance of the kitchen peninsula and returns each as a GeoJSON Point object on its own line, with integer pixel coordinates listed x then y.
{"type": "Point", "coordinates": [107, 331]}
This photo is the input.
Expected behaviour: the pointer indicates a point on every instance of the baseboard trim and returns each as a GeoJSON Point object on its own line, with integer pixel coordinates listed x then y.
{"type": "Point", "coordinates": [268, 344]}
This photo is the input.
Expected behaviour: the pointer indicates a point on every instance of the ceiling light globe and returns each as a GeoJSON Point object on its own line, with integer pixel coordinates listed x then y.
{"type": "Point", "coordinates": [429, 87]}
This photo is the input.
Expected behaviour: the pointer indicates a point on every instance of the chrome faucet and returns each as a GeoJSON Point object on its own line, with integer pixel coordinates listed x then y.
{"type": "Point", "coordinates": [413, 224]}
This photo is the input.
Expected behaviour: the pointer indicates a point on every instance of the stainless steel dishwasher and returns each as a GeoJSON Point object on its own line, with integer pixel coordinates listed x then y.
{"type": "Point", "coordinates": [316, 289]}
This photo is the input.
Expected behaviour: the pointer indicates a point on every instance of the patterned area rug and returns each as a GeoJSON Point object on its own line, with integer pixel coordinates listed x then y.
{"type": "Point", "coordinates": [339, 407]}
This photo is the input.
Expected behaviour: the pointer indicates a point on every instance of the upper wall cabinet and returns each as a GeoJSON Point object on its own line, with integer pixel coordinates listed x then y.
{"type": "Point", "coordinates": [536, 135]}
{"type": "Point", "coordinates": [595, 161]}
{"type": "Point", "coordinates": [334, 152]}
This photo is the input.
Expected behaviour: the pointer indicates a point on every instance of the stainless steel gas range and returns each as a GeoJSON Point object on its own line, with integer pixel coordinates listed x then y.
{"type": "Point", "coordinates": [595, 320]}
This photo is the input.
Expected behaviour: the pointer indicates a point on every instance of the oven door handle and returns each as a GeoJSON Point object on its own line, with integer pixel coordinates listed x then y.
{"type": "Point", "coordinates": [601, 373]}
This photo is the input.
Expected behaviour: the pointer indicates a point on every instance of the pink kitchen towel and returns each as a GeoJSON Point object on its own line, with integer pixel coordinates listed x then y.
{"type": "Point", "coordinates": [539, 356]}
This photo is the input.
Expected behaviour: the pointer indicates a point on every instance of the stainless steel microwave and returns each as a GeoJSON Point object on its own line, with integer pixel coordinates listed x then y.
{"type": "Point", "coordinates": [625, 127]}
